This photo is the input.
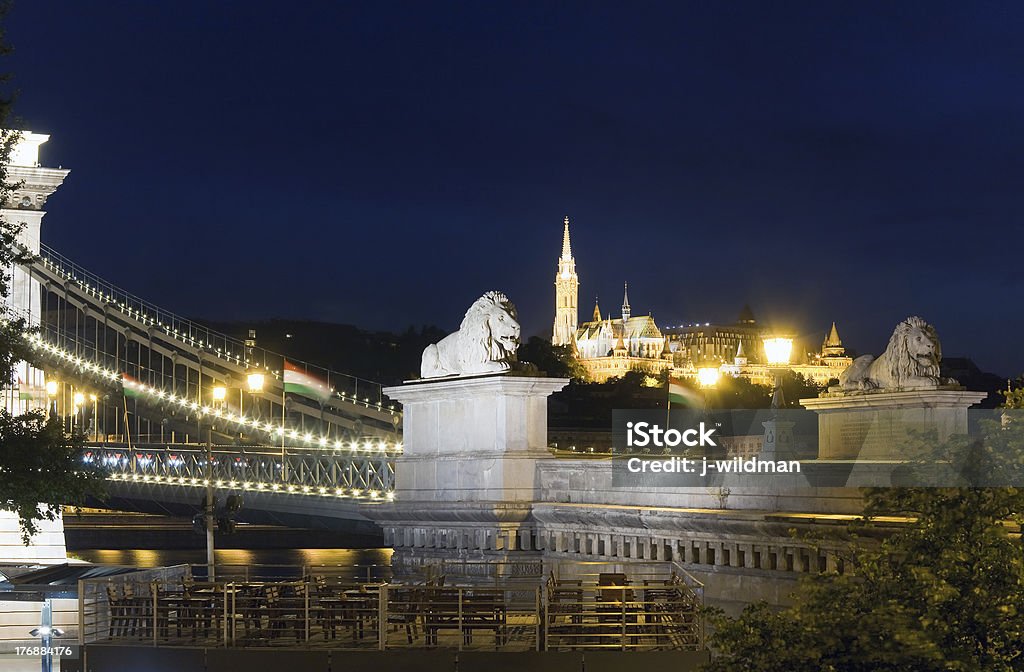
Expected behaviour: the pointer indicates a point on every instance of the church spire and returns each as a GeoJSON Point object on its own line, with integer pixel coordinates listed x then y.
{"type": "Point", "coordinates": [566, 294]}
{"type": "Point", "coordinates": [833, 339]}
{"type": "Point", "coordinates": [597, 311]}
{"type": "Point", "coordinates": [625, 302]}
{"type": "Point", "coordinates": [566, 246]}
{"type": "Point", "coordinates": [833, 345]}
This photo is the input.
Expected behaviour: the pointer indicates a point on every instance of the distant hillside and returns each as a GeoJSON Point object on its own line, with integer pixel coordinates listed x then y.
{"type": "Point", "coordinates": [379, 356]}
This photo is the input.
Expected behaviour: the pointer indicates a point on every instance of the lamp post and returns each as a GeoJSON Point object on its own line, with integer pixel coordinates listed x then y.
{"type": "Point", "coordinates": [95, 418]}
{"type": "Point", "coordinates": [219, 394]}
{"type": "Point", "coordinates": [51, 392]}
{"type": "Point", "coordinates": [778, 433]}
{"type": "Point", "coordinates": [79, 401]}
{"type": "Point", "coordinates": [777, 350]}
{"type": "Point", "coordinates": [254, 381]}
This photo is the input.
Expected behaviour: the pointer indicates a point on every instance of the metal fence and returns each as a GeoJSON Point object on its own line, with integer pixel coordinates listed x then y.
{"type": "Point", "coordinates": [366, 474]}
{"type": "Point", "coordinates": [581, 608]}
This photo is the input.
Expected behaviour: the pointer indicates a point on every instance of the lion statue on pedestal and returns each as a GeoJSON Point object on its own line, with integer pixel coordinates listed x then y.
{"type": "Point", "coordinates": [486, 341]}
{"type": "Point", "coordinates": [911, 361]}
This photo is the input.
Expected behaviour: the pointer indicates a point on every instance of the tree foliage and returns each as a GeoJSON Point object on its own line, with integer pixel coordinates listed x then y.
{"type": "Point", "coordinates": [557, 361]}
{"type": "Point", "coordinates": [942, 591]}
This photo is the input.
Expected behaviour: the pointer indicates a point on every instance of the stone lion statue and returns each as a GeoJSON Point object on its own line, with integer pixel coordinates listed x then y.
{"type": "Point", "coordinates": [911, 361]}
{"type": "Point", "coordinates": [486, 341]}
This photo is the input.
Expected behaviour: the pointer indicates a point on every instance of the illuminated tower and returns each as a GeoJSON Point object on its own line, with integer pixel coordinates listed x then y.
{"type": "Point", "coordinates": [625, 303]}
{"type": "Point", "coordinates": [25, 208]}
{"type": "Point", "coordinates": [567, 289]}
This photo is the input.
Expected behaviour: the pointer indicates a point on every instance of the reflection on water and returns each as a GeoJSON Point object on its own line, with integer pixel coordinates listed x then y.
{"type": "Point", "coordinates": [327, 558]}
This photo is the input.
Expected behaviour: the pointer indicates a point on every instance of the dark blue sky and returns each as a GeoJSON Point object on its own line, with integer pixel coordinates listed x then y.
{"type": "Point", "coordinates": [385, 163]}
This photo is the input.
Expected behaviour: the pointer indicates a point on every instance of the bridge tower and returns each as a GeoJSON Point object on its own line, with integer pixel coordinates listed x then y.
{"type": "Point", "coordinates": [27, 392]}
{"type": "Point", "coordinates": [26, 208]}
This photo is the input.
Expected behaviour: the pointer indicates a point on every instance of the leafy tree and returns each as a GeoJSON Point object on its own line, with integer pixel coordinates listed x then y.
{"type": "Point", "coordinates": [40, 467]}
{"type": "Point", "coordinates": [943, 591]}
{"type": "Point", "coordinates": [557, 361]}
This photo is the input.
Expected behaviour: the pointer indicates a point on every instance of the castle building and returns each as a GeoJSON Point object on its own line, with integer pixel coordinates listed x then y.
{"type": "Point", "coordinates": [720, 343]}
{"type": "Point", "coordinates": [605, 346]}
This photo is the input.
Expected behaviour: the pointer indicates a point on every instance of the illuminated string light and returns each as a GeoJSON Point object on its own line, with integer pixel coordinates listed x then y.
{"type": "Point", "coordinates": [143, 390]}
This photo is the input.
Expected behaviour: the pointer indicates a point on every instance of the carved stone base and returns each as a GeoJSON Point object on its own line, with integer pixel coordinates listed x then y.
{"type": "Point", "coordinates": [875, 425]}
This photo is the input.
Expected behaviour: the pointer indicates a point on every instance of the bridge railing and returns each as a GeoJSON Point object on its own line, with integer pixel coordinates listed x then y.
{"type": "Point", "coordinates": [231, 349]}
{"type": "Point", "coordinates": [354, 473]}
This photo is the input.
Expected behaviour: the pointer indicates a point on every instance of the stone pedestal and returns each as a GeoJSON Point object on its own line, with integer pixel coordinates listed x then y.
{"type": "Point", "coordinates": [467, 478]}
{"type": "Point", "coordinates": [874, 425]}
{"type": "Point", "coordinates": [473, 439]}
{"type": "Point", "coordinates": [46, 548]}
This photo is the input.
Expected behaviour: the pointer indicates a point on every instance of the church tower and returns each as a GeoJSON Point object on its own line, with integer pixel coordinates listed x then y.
{"type": "Point", "coordinates": [833, 345]}
{"type": "Point", "coordinates": [625, 303]}
{"type": "Point", "coordinates": [567, 287]}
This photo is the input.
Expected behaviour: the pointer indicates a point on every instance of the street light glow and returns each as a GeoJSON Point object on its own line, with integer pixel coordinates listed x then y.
{"type": "Point", "coordinates": [51, 388]}
{"type": "Point", "coordinates": [220, 393]}
{"type": "Point", "coordinates": [255, 381]}
{"type": "Point", "coordinates": [778, 350]}
{"type": "Point", "coordinates": [707, 376]}
{"type": "Point", "coordinates": [79, 398]}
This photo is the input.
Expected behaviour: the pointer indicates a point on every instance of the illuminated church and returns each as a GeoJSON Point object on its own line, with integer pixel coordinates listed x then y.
{"type": "Point", "coordinates": [606, 346]}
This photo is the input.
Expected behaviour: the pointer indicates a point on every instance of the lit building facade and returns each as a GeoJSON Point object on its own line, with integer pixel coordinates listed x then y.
{"type": "Point", "coordinates": [24, 207]}
{"type": "Point", "coordinates": [567, 293]}
{"type": "Point", "coordinates": [605, 346]}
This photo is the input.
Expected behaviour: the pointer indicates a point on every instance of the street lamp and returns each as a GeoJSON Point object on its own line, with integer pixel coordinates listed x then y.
{"type": "Point", "coordinates": [255, 381]}
{"type": "Point", "coordinates": [95, 417]}
{"type": "Point", "coordinates": [79, 399]}
{"type": "Point", "coordinates": [777, 350]}
{"type": "Point", "coordinates": [219, 393]}
{"type": "Point", "coordinates": [51, 391]}
{"type": "Point", "coordinates": [707, 376]}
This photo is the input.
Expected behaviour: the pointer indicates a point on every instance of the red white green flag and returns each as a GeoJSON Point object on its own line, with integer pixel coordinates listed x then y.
{"type": "Point", "coordinates": [132, 387]}
{"type": "Point", "coordinates": [681, 393]}
{"type": "Point", "coordinates": [297, 381]}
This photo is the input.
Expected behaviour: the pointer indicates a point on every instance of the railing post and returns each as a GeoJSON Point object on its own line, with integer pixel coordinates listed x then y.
{"type": "Point", "coordinates": [81, 614]}
{"type": "Point", "coordinates": [154, 592]}
{"type": "Point", "coordinates": [382, 617]}
{"type": "Point", "coordinates": [228, 590]}
{"type": "Point", "coordinates": [540, 619]}
{"type": "Point", "coordinates": [306, 615]}
{"type": "Point", "coordinates": [460, 619]}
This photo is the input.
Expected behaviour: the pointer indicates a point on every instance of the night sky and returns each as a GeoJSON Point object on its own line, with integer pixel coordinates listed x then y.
{"type": "Point", "coordinates": [383, 164]}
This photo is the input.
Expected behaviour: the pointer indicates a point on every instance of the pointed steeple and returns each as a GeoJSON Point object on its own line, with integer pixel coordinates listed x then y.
{"type": "Point", "coordinates": [625, 302]}
{"type": "Point", "coordinates": [833, 339]}
{"type": "Point", "coordinates": [740, 359]}
{"type": "Point", "coordinates": [566, 246]}
{"type": "Point", "coordinates": [833, 345]}
{"type": "Point", "coordinates": [597, 311]}
{"type": "Point", "coordinates": [567, 286]}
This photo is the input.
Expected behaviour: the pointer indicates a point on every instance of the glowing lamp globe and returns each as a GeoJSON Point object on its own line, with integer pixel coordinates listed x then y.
{"type": "Point", "coordinates": [51, 388]}
{"type": "Point", "coordinates": [255, 381]}
{"type": "Point", "coordinates": [79, 398]}
{"type": "Point", "coordinates": [778, 350]}
{"type": "Point", "coordinates": [220, 393]}
{"type": "Point", "coordinates": [707, 376]}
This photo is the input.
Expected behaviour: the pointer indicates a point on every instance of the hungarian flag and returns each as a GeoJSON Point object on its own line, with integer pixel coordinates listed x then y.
{"type": "Point", "coordinates": [297, 381]}
{"type": "Point", "coordinates": [681, 393]}
{"type": "Point", "coordinates": [23, 393]}
{"type": "Point", "coordinates": [132, 387]}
